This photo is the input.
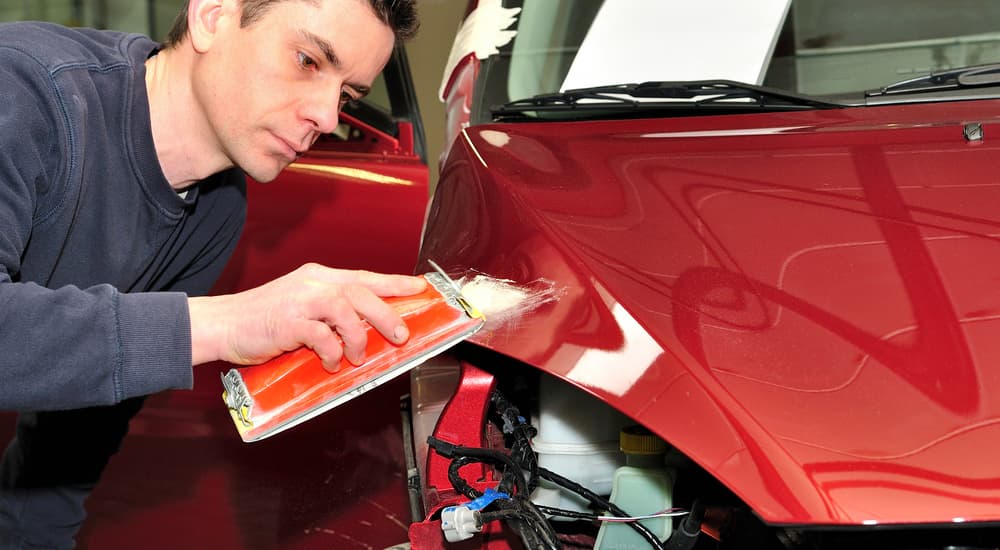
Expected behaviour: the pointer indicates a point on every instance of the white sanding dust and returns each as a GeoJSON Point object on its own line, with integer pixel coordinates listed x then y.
{"type": "Point", "coordinates": [502, 299]}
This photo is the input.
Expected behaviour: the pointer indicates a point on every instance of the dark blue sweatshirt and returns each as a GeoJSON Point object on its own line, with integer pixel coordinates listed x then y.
{"type": "Point", "coordinates": [97, 252]}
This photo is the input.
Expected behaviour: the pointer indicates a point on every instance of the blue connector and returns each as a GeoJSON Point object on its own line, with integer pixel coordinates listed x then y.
{"type": "Point", "coordinates": [462, 522]}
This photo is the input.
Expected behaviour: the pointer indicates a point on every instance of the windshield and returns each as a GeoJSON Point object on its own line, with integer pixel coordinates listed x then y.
{"type": "Point", "coordinates": [836, 49]}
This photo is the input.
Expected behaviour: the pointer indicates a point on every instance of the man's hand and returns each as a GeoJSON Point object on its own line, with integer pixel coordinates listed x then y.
{"type": "Point", "coordinates": [315, 306]}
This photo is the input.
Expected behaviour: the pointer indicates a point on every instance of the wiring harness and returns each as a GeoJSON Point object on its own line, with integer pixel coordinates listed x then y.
{"type": "Point", "coordinates": [520, 473]}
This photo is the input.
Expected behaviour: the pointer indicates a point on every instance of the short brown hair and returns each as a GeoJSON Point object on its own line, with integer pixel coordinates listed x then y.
{"type": "Point", "coordinates": [399, 15]}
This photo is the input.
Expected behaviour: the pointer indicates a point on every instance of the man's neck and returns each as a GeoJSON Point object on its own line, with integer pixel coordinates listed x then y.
{"type": "Point", "coordinates": [185, 144]}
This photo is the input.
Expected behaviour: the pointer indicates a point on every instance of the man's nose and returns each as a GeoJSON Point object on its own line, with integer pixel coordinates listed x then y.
{"type": "Point", "coordinates": [322, 110]}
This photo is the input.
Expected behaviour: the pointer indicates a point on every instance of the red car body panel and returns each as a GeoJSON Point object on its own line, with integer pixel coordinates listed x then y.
{"type": "Point", "coordinates": [349, 209]}
{"type": "Point", "coordinates": [806, 304]}
{"type": "Point", "coordinates": [458, 100]}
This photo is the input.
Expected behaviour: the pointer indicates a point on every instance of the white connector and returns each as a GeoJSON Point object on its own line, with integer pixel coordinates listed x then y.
{"type": "Point", "coordinates": [460, 523]}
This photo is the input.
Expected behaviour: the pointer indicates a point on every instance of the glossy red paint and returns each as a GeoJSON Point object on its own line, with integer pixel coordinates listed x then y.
{"type": "Point", "coordinates": [461, 423]}
{"type": "Point", "coordinates": [353, 209]}
{"type": "Point", "coordinates": [803, 303]}
{"type": "Point", "coordinates": [457, 99]}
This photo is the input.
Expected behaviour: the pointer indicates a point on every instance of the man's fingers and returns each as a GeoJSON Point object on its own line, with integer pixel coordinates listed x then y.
{"type": "Point", "coordinates": [336, 308]}
{"type": "Point", "coordinates": [380, 315]}
{"type": "Point", "coordinates": [321, 338]}
{"type": "Point", "coordinates": [392, 285]}
{"type": "Point", "coordinates": [381, 284]}
{"type": "Point", "coordinates": [326, 309]}
{"type": "Point", "coordinates": [355, 337]}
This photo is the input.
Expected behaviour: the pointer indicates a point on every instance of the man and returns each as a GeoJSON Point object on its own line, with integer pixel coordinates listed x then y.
{"type": "Point", "coordinates": [121, 198]}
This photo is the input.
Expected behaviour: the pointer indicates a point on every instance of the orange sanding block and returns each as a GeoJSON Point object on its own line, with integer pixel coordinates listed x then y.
{"type": "Point", "coordinates": [294, 387]}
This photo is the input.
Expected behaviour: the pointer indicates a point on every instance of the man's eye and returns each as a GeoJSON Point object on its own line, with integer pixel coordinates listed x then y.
{"type": "Point", "coordinates": [306, 62]}
{"type": "Point", "coordinates": [346, 98]}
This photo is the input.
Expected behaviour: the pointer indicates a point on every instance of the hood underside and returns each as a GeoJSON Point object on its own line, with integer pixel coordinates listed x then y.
{"type": "Point", "coordinates": [806, 304]}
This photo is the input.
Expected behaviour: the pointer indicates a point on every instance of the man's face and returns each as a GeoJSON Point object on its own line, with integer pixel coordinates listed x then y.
{"type": "Point", "coordinates": [270, 89]}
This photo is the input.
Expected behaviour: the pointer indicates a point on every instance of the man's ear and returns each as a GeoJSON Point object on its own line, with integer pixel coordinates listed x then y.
{"type": "Point", "coordinates": [205, 18]}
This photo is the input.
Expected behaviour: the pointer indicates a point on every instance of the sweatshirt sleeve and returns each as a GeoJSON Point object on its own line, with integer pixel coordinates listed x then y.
{"type": "Point", "coordinates": [68, 347]}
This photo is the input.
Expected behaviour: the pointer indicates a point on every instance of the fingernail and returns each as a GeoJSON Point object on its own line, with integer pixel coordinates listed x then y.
{"type": "Point", "coordinates": [401, 334]}
{"type": "Point", "coordinates": [332, 369]}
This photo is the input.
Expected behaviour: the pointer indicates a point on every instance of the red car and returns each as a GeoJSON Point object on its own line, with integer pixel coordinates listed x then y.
{"type": "Point", "coordinates": [770, 232]}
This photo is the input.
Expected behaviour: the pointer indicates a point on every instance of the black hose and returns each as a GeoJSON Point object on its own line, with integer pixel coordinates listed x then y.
{"type": "Point", "coordinates": [686, 535]}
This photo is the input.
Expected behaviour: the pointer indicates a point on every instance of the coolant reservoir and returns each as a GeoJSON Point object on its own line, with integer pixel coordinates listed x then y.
{"type": "Point", "coordinates": [578, 439]}
{"type": "Point", "coordinates": [644, 485]}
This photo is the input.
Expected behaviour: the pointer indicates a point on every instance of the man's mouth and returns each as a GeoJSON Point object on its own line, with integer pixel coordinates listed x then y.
{"type": "Point", "coordinates": [289, 150]}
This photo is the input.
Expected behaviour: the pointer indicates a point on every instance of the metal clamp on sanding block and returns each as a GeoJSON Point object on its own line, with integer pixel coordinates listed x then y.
{"type": "Point", "coordinates": [450, 290]}
{"type": "Point", "coordinates": [237, 397]}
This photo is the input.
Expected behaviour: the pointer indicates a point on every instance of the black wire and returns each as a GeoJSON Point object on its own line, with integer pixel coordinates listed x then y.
{"type": "Point", "coordinates": [529, 536]}
{"type": "Point", "coordinates": [502, 514]}
{"type": "Point", "coordinates": [522, 452]}
{"type": "Point", "coordinates": [540, 522]}
{"type": "Point", "coordinates": [542, 535]}
{"type": "Point", "coordinates": [521, 433]}
{"type": "Point", "coordinates": [686, 525]}
{"type": "Point", "coordinates": [450, 450]}
{"type": "Point", "coordinates": [566, 513]}
{"type": "Point", "coordinates": [519, 512]}
{"type": "Point", "coordinates": [458, 482]}
{"type": "Point", "coordinates": [601, 503]}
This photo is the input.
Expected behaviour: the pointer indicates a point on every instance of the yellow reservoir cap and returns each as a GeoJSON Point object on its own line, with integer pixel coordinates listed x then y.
{"type": "Point", "coordinates": [637, 440]}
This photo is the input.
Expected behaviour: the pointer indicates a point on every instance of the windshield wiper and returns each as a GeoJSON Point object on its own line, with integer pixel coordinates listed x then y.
{"type": "Point", "coordinates": [942, 82]}
{"type": "Point", "coordinates": [670, 95]}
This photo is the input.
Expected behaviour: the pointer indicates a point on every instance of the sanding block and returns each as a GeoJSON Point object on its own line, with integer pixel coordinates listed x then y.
{"type": "Point", "coordinates": [294, 387]}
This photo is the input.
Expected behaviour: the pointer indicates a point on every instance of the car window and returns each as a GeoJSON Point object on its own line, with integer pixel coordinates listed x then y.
{"type": "Point", "coordinates": [851, 45]}
{"type": "Point", "coordinates": [379, 95]}
{"type": "Point", "coordinates": [820, 48]}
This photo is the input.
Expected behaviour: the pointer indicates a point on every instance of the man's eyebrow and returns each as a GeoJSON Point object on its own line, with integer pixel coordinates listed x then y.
{"type": "Point", "coordinates": [327, 49]}
{"type": "Point", "coordinates": [323, 45]}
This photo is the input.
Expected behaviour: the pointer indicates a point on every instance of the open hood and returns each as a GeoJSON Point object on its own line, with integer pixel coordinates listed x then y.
{"type": "Point", "coordinates": [806, 304]}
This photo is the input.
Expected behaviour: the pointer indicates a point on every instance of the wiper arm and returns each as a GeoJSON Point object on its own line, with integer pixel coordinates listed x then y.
{"type": "Point", "coordinates": [659, 95]}
{"type": "Point", "coordinates": [952, 79]}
